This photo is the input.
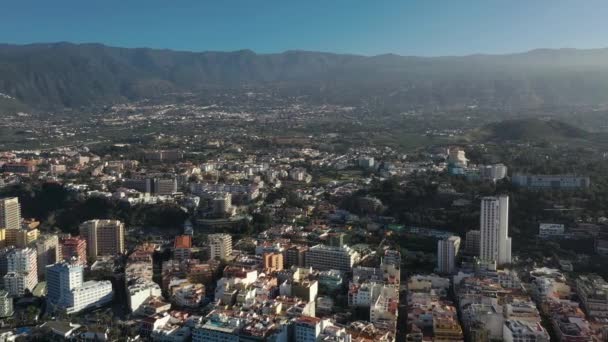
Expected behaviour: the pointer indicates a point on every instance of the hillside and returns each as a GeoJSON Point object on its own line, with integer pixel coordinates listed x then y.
{"type": "Point", "coordinates": [531, 130]}
{"type": "Point", "coordinates": [70, 75]}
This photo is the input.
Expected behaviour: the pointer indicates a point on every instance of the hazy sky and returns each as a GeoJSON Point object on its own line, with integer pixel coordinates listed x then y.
{"type": "Point", "coordinates": [406, 27]}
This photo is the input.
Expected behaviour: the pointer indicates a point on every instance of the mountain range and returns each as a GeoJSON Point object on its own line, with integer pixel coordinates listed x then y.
{"type": "Point", "coordinates": [54, 75]}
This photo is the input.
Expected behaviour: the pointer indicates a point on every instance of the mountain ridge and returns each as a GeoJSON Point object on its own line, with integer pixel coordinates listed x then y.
{"type": "Point", "coordinates": [64, 74]}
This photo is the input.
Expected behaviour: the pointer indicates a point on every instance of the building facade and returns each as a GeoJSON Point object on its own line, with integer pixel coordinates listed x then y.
{"type": "Point", "coordinates": [495, 243]}
{"type": "Point", "coordinates": [104, 237]}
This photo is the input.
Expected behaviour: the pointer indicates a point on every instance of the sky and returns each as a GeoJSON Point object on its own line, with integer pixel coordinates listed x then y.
{"type": "Point", "coordinates": [368, 27]}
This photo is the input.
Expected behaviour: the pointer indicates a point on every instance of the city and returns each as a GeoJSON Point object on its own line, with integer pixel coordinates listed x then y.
{"type": "Point", "coordinates": [319, 171]}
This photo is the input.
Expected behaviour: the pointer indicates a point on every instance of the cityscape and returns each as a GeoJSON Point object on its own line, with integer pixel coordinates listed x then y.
{"type": "Point", "coordinates": [449, 189]}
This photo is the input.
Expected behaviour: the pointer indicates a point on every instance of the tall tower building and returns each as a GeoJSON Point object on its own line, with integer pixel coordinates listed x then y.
{"type": "Point", "coordinates": [104, 237]}
{"type": "Point", "coordinates": [22, 271]}
{"type": "Point", "coordinates": [447, 251]}
{"type": "Point", "coordinates": [495, 243]}
{"type": "Point", "coordinates": [10, 213]}
{"type": "Point", "coordinates": [220, 246]}
{"type": "Point", "coordinates": [60, 280]}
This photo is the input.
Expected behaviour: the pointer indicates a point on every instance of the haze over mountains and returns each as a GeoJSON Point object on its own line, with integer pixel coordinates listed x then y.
{"type": "Point", "coordinates": [71, 75]}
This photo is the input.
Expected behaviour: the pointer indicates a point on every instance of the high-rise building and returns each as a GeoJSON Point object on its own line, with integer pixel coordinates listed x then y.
{"type": "Point", "coordinates": [68, 291]}
{"type": "Point", "coordinates": [495, 243]}
{"type": "Point", "coordinates": [61, 278]}
{"type": "Point", "coordinates": [104, 237]}
{"type": "Point", "coordinates": [21, 265]}
{"type": "Point", "coordinates": [6, 304]}
{"type": "Point", "coordinates": [447, 251]}
{"type": "Point", "coordinates": [10, 213]}
{"type": "Point", "coordinates": [471, 242]}
{"type": "Point", "coordinates": [47, 248]}
{"type": "Point", "coordinates": [74, 250]}
{"type": "Point", "coordinates": [220, 246]}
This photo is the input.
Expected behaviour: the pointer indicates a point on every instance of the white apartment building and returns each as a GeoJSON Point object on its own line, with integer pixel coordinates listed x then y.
{"type": "Point", "coordinates": [220, 246]}
{"type": "Point", "coordinates": [495, 243]}
{"type": "Point", "coordinates": [66, 289]}
{"type": "Point", "coordinates": [140, 291]}
{"type": "Point", "coordinates": [21, 265]}
{"type": "Point", "coordinates": [493, 172]}
{"type": "Point", "coordinates": [324, 258]}
{"type": "Point", "coordinates": [10, 213]}
{"type": "Point", "coordinates": [90, 295]}
{"type": "Point", "coordinates": [447, 251]}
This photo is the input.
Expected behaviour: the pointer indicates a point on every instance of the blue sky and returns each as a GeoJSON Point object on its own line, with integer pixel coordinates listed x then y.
{"type": "Point", "coordinates": [406, 27]}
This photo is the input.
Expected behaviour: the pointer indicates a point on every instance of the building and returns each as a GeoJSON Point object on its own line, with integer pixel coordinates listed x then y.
{"type": "Point", "coordinates": [163, 155]}
{"type": "Point", "coordinates": [220, 246]}
{"type": "Point", "coordinates": [493, 172]}
{"type": "Point", "coordinates": [562, 182]}
{"type": "Point", "coordinates": [323, 258]}
{"type": "Point", "coordinates": [366, 162]}
{"type": "Point", "coordinates": [472, 241]}
{"type": "Point", "coordinates": [307, 329]}
{"type": "Point", "coordinates": [457, 157]}
{"type": "Point", "coordinates": [447, 251]}
{"type": "Point", "coordinates": [10, 213]}
{"type": "Point", "coordinates": [20, 167]}
{"type": "Point", "coordinates": [21, 237]}
{"type": "Point", "coordinates": [48, 250]}
{"type": "Point", "coordinates": [22, 271]}
{"type": "Point", "coordinates": [104, 237]}
{"type": "Point", "coordinates": [295, 256]}
{"type": "Point", "coordinates": [222, 203]}
{"type": "Point", "coordinates": [74, 249]}
{"type": "Point", "coordinates": [273, 262]}
{"type": "Point", "coordinates": [67, 290]}
{"type": "Point", "coordinates": [156, 186]}
{"type": "Point", "coordinates": [495, 243]}
{"type": "Point", "coordinates": [550, 230]}
{"type": "Point", "coordinates": [523, 331]}
{"type": "Point", "coordinates": [140, 291]}
{"type": "Point", "coordinates": [182, 248]}
{"type": "Point", "coordinates": [61, 278]}
{"type": "Point", "coordinates": [6, 304]}
{"type": "Point", "coordinates": [593, 293]}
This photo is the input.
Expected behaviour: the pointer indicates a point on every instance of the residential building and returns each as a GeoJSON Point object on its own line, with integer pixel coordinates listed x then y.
{"type": "Point", "coordinates": [495, 243]}
{"type": "Point", "coordinates": [6, 304]}
{"type": "Point", "coordinates": [447, 251]}
{"type": "Point", "coordinates": [593, 293]}
{"type": "Point", "coordinates": [22, 271]}
{"type": "Point", "coordinates": [48, 250]}
{"type": "Point", "coordinates": [220, 246]}
{"type": "Point", "coordinates": [472, 242]}
{"type": "Point", "coordinates": [74, 249]}
{"type": "Point", "coordinates": [273, 262]}
{"type": "Point", "coordinates": [10, 213]}
{"type": "Point", "coordinates": [493, 172]}
{"type": "Point", "coordinates": [561, 182]}
{"type": "Point", "coordinates": [323, 258]}
{"type": "Point", "coordinates": [104, 237]}
{"type": "Point", "coordinates": [68, 291]}
{"type": "Point", "coordinates": [182, 248]}
{"type": "Point", "coordinates": [549, 230]}
{"type": "Point", "coordinates": [522, 331]}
